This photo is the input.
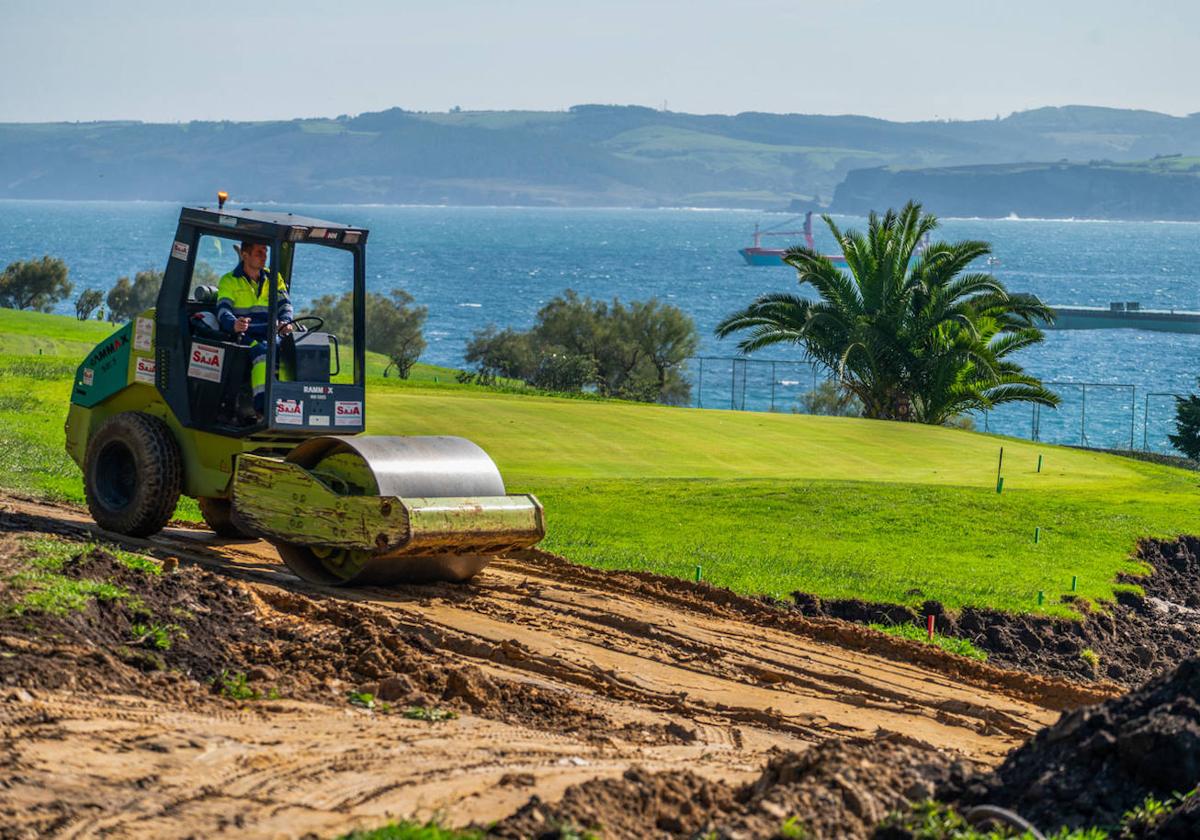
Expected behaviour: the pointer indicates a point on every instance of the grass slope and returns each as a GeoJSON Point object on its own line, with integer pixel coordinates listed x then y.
{"type": "Point", "coordinates": [764, 503]}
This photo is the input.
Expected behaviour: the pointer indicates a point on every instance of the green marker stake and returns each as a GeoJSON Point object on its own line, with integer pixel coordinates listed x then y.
{"type": "Point", "coordinates": [1041, 597]}
{"type": "Point", "coordinates": [1037, 535]}
{"type": "Point", "coordinates": [1039, 469]}
{"type": "Point", "coordinates": [1000, 484]}
{"type": "Point", "coordinates": [697, 574]}
{"type": "Point", "coordinates": [1074, 582]}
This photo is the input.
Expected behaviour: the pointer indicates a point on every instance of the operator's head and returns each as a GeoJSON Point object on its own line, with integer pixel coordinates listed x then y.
{"type": "Point", "coordinates": [254, 257]}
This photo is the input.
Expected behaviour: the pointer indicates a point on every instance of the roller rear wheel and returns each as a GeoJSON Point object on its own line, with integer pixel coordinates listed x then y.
{"type": "Point", "coordinates": [132, 474]}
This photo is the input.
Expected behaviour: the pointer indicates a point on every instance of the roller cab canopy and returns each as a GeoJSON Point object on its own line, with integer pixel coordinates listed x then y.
{"type": "Point", "coordinates": [314, 382]}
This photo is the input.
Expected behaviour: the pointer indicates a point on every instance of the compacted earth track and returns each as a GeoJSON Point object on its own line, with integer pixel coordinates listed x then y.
{"type": "Point", "coordinates": [634, 670]}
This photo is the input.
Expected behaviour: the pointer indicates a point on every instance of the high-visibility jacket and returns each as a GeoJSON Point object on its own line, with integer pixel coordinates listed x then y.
{"type": "Point", "coordinates": [240, 297]}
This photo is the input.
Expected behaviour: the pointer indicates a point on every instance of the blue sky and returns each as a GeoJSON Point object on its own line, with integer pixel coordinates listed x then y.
{"type": "Point", "coordinates": [920, 59]}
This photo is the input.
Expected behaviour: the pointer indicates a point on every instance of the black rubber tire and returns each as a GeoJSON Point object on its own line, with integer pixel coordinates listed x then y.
{"type": "Point", "coordinates": [218, 515]}
{"type": "Point", "coordinates": [132, 474]}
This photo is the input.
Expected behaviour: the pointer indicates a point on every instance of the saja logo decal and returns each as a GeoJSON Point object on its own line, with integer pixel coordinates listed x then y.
{"type": "Point", "coordinates": [206, 362]}
{"type": "Point", "coordinates": [347, 413]}
{"type": "Point", "coordinates": [289, 412]}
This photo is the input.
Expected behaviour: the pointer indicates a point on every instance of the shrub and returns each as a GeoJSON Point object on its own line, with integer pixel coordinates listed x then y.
{"type": "Point", "coordinates": [1187, 426]}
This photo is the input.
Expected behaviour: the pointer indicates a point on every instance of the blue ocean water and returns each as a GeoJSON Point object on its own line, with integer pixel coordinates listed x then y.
{"type": "Point", "coordinates": [475, 266]}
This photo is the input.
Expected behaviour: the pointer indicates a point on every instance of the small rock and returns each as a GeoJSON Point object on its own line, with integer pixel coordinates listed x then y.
{"type": "Point", "coordinates": [688, 736]}
{"type": "Point", "coordinates": [395, 688]}
{"type": "Point", "coordinates": [170, 564]}
{"type": "Point", "coordinates": [262, 673]}
{"type": "Point", "coordinates": [919, 791]}
{"type": "Point", "coordinates": [518, 780]}
{"type": "Point", "coordinates": [20, 695]}
{"type": "Point", "coordinates": [773, 809]}
{"type": "Point", "coordinates": [473, 686]}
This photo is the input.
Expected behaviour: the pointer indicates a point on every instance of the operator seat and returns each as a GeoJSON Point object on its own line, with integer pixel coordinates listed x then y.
{"type": "Point", "coordinates": [219, 392]}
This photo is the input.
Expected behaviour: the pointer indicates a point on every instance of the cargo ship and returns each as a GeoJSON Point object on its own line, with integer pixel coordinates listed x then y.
{"type": "Point", "coordinates": [1124, 316]}
{"type": "Point", "coordinates": [759, 256]}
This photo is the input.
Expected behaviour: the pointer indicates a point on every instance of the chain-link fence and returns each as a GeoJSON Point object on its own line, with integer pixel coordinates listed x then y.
{"type": "Point", "coordinates": [753, 384]}
{"type": "Point", "coordinates": [1097, 415]}
{"type": "Point", "coordinates": [1158, 421]}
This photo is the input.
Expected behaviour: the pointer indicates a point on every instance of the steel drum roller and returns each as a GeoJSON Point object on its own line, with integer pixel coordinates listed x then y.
{"type": "Point", "coordinates": [450, 493]}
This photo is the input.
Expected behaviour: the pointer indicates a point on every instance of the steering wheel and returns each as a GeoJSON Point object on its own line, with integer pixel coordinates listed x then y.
{"type": "Point", "coordinates": [303, 318]}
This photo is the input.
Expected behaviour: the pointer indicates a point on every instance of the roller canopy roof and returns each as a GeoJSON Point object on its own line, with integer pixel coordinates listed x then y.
{"type": "Point", "coordinates": [259, 222]}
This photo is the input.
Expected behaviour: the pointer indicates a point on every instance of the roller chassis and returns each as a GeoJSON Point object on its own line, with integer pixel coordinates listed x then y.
{"type": "Point", "coordinates": [340, 507]}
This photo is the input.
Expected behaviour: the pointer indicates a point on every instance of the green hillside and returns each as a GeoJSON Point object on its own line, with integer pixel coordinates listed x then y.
{"type": "Point", "coordinates": [587, 155]}
{"type": "Point", "coordinates": [764, 503]}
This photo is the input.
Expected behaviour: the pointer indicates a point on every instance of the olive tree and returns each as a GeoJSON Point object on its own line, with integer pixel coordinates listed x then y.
{"type": "Point", "coordinates": [34, 284]}
{"type": "Point", "coordinates": [632, 351]}
{"type": "Point", "coordinates": [126, 299]}
{"type": "Point", "coordinates": [87, 302]}
{"type": "Point", "coordinates": [394, 326]}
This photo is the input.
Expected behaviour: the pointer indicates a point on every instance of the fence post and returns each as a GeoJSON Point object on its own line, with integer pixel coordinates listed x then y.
{"type": "Point", "coordinates": [1146, 425]}
{"type": "Point", "coordinates": [733, 384]}
{"type": "Point", "coordinates": [1083, 418]}
{"type": "Point", "coordinates": [1132, 413]}
{"type": "Point", "coordinates": [700, 386]}
{"type": "Point", "coordinates": [772, 386]}
{"type": "Point", "coordinates": [745, 375]}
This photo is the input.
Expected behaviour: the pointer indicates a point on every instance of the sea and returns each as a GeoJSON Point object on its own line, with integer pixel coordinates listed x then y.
{"type": "Point", "coordinates": [475, 266]}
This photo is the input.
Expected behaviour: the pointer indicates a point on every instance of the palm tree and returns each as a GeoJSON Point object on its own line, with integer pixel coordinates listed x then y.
{"type": "Point", "coordinates": [909, 331]}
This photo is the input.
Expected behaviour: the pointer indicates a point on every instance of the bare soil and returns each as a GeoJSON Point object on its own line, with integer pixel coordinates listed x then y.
{"type": "Point", "coordinates": [560, 675]}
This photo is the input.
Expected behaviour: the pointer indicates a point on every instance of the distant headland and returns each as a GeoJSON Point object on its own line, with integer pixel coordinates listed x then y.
{"type": "Point", "coordinates": [1073, 161]}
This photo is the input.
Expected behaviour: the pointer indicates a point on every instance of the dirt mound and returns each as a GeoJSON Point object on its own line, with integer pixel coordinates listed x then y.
{"type": "Point", "coordinates": [173, 632]}
{"type": "Point", "coordinates": [837, 789]}
{"type": "Point", "coordinates": [638, 804]}
{"type": "Point", "coordinates": [1099, 761]}
{"type": "Point", "coordinates": [1134, 640]}
{"type": "Point", "coordinates": [190, 635]}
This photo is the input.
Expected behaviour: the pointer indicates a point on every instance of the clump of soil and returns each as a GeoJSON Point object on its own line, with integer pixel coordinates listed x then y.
{"type": "Point", "coordinates": [836, 789]}
{"type": "Point", "coordinates": [1100, 761]}
{"type": "Point", "coordinates": [1135, 639]}
{"type": "Point", "coordinates": [217, 641]}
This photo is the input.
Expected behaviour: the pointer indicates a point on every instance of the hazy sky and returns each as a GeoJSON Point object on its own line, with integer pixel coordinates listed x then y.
{"type": "Point", "coordinates": [919, 59]}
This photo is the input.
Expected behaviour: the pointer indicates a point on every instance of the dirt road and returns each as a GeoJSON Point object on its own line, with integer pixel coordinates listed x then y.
{"type": "Point", "coordinates": [670, 674]}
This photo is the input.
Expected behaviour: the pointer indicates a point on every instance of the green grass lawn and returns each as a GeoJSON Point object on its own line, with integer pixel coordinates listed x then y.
{"type": "Point", "coordinates": [763, 503]}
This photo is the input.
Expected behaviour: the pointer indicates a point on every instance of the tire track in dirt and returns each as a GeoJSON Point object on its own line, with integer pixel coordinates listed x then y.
{"type": "Point", "coordinates": [731, 678]}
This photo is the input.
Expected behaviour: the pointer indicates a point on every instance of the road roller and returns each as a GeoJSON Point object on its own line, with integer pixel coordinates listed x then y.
{"type": "Point", "coordinates": [264, 428]}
